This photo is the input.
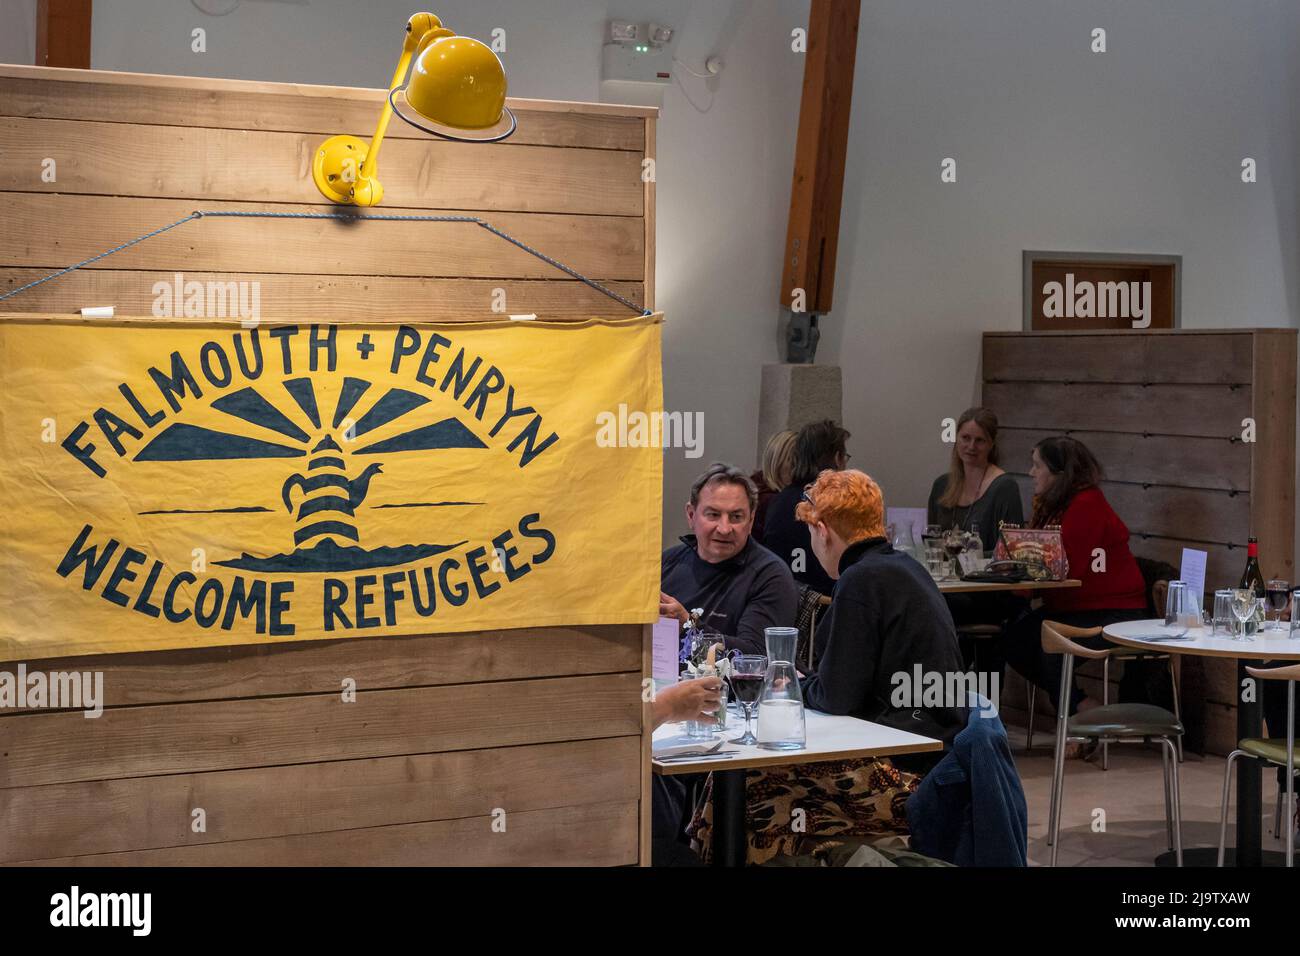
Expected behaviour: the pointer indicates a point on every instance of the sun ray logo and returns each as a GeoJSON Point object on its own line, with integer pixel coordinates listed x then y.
{"type": "Point", "coordinates": [326, 536]}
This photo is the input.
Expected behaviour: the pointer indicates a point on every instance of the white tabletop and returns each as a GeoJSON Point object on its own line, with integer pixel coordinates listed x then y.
{"type": "Point", "coordinates": [1266, 645]}
{"type": "Point", "coordinates": [829, 738]}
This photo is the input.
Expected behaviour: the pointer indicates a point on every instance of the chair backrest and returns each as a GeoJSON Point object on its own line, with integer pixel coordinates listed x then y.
{"type": "Point", "coordinates": [1156, 576]}
{"type": "Point", "coordinates": [1159, 598]}
{"type": "Point", "coordinates": [1290, 672]}
{"type": "Point", "coordinates": [811, 605]}
{"type": "Point", "coordinates": [1061, 639]}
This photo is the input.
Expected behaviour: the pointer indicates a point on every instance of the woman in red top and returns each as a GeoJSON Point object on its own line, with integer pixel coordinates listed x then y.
{"type": "Point", "coordinates": [1066, 493]}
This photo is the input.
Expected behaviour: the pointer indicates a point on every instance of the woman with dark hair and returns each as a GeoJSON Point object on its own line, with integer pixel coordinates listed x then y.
{"type": "Point", "coordinates": [817, 447]}
{"type": "Point", "coordinates": [975, 494]}
{"type": "Point", "coordinates": [1067, 493]}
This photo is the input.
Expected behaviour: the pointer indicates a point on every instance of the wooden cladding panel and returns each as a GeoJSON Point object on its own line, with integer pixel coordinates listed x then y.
{"type": "Point", "coordinates": [300, 298]}
{"type": "Point", "coordinates": [1191, 410]}
{"type": "Point", "coordinates": [1273, 471]}
{"type": "Point", "coordinates": [546, 723]}
{"type": "Point", "coordinates": [1183, 358]}
{"type": "Point", "coordinates": [198, 163]}
{"type": "Point", "coordinates": [143, 813]}
{"type": "Point", "coordinates": [63, 747]}
{"type": "Point", "coordinates": [1144, 459]}
{"type": "Point", "coordinates": [55, 230]}
{"type": "Point", "coordinates": [319, 667]}
{"type": "Point", "coordinates": [283, 107]}
{"type": "Point", "coordinates": [1164, 413]}
{"type": "Point", "coordinates": [590, 835]}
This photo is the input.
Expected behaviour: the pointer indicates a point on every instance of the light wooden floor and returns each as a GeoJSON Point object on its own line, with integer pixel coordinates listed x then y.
{"type": "Point", "coordinates": [1131, 794]}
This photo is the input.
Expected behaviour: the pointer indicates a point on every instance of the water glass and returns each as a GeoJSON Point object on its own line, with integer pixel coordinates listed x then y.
{"type": "Point", "coordinates": [1294, 632]}
{"type": "Point", "coordinates": [936, 562]}
{"type": "Point", "coordinates": [1175, 601]}
{"type": "Point", "coordinates": [1223, 622]}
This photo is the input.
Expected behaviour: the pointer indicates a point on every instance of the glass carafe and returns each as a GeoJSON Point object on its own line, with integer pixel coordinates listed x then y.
{"type": "Point", "coordinates": [781, 722]}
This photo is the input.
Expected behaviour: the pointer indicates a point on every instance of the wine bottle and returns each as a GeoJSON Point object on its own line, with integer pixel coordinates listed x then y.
{"type": "Point", "coordinates": [1252, 580]}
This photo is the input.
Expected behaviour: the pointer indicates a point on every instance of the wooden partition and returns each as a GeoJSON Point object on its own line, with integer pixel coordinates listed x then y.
{"type": "Point", "coordinates": [448, 731]}
{"type": "Point", "coordinates": [1166, 412]}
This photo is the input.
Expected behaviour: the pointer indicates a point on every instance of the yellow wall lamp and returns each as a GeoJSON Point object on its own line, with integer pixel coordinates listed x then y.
{"type": "Point", "coordinates": [457, 91]}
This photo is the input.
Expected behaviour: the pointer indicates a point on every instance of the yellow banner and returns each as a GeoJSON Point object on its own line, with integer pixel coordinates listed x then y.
{"type": "Point", "coordinates": [170, 484]}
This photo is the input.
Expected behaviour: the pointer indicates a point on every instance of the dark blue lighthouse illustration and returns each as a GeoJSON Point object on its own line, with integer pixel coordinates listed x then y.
{"type": "Point", "coordinates": [330, 499]}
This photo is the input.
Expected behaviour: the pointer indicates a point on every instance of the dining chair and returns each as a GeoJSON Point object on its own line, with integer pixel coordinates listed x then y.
{"type": "Point", "coordinates": [1270, 751]}
{"type": "Point", "coordinates": [1111, 723]}
{"type": "Point", "coordinates": [1159, 592]}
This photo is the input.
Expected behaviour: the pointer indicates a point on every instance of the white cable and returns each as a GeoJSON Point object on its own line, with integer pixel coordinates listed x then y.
{"type": "Point", "coordinates": [703, 76]}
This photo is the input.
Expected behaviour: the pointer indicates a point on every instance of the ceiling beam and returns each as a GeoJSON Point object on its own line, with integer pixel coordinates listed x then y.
{"type": "Point", "coordinates": [813, 233]}
{"type": "Point", "coordinates": [63, 33]}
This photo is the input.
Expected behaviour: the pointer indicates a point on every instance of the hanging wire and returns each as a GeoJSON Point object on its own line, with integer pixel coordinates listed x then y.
{"type": "Point", "coordinates": [349, 217]}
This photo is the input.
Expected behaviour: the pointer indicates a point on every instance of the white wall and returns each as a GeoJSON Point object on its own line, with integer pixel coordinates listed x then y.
{"type": "Point", "coordinates": [18, 38]}
{"type": "Point", "coordinates": [1134, 150]}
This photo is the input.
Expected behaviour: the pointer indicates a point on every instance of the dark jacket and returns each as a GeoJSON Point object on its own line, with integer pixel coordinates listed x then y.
{"type": "Point", "coordinates": [970, 809]}
{"type": "Point", "coordinates": [740, 597]}
{"type": "Point", "coordinates": [789, 539]}
{"type": "Point", "coordinates": [887, 618]}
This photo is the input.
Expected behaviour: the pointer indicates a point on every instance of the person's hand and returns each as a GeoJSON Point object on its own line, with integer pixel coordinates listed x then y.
{"type": "Point", "coordinates": [697, 699]}
{"type": "Point", "coordinates": [669, 606]}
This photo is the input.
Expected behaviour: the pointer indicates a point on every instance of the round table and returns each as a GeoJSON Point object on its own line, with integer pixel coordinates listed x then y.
{"type": "Point", "coordinates": [1266, 646]}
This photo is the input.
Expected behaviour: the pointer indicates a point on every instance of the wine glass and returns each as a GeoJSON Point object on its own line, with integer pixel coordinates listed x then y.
{"type": "Point", "coordinates": [1243, 609]}
{"type": "Point", "coordinates": [747, 672]}
{"type": "Point", "coordinates": [1278, 593]}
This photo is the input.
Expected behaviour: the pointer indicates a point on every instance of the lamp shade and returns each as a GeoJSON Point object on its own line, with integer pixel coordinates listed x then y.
{"type": "Point", "coordinates": [457, 90]}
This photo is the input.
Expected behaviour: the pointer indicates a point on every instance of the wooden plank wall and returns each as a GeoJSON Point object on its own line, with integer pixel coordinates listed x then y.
{"type": "Point", "coordinates": [1163, 412]}
{"type": "Point", "coordinates": [546, 724]}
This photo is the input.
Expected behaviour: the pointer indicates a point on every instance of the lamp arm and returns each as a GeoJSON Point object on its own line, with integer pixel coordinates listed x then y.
{"type": "Point", "coordinates": [421, 30]}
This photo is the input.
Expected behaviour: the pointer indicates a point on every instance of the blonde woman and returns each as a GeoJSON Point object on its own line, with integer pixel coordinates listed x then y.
{"type": "Point", "coordinates": [774, 474]}
{"type": "Point", "coordinates": [975, 494]}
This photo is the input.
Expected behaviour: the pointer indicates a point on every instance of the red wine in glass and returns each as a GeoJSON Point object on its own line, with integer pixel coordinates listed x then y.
{"type": "Point", "coordinates": [1277, 598]}
{"type": "Point", "coordinates": [747, 687]}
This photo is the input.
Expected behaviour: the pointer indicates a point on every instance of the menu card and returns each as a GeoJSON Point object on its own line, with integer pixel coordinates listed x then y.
{"type": "Point", "coordinates": [667, 645]}
{"type": "Point", "coordinates": [1193, 572]}
{"type": "Point", "coordinates": [905, 517]}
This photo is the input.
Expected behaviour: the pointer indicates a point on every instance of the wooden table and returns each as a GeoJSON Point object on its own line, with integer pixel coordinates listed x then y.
{"type": "Point", "coordinates": [1266, 646]}
{"type": "Point", "coordinates": [983, 587]}
{"type": "Point", "coordinates": [829, 738]}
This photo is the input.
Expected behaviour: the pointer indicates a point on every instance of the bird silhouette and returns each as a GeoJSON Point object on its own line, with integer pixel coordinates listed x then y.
{"type": "Point", "coordinates": [359, 486]}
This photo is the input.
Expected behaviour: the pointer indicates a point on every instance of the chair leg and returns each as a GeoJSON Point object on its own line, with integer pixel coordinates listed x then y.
{"type": "Point", "coordinates": [1058, 769]}
{"type": "Point", "coordinates": [1227, 794]}
{"type": "Point", "coordinates": [1290, 774]}
{"type": "Point", "coordinates": [1169, 806]}
{"type": "Point", "coordinates": [1058, 796]}
{"type": "Point", "coordinates": [1277, 811]}
{"type": "Point", "coordinates": [1178, 803]}
{"type": "Point", "coordinates": [1031, 689]}
{"type": "Point", "coordinates": [1173, 682]}
{"type": "Point", "coordinates": [1105, 699]}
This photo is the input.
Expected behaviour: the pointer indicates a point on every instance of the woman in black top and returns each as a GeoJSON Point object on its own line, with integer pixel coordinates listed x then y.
{"type": "Point", "coordinates": [975, 494]}
{"type": "Point", "coordinates": [817, 447]}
